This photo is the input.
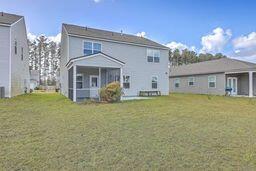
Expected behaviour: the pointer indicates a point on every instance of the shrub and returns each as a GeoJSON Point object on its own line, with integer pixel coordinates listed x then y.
{"type": "Point", "coordinates": [111, 93]}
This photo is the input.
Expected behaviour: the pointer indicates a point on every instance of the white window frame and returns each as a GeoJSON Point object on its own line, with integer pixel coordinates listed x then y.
{"type": "Point", "coordinates": [94, 76]}
{"type": "Point", "coordinates": [154, 51]}
{"type": "Point", "coordinates": [176, 81]}
{"type": "Point", "coordinates": [124, 81]}
{"type": "Point", "coordinates": [80, 81]}
{"type": "Point", "coordinates": [92, 42]}
{"type": "Point", "coordinates": [156, 82]}
{"type": "Point", "coordinates": [194, 81]}
{"type": "Point", "coordinates": [215, 81]}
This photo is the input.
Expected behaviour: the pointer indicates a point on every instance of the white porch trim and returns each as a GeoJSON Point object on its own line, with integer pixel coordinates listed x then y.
{"type": "Point", "coordinates": [74, 83]}
{"type": "Point", "coordinates": [250, 83]}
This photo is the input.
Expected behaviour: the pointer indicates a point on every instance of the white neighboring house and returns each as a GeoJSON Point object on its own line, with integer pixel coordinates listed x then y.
{"type": "Point", "coordinates": [14, 57]}
{"type": "Point", "coordinates": [92, 58]}
{"type": "Point", "coordinates": [34, 79]}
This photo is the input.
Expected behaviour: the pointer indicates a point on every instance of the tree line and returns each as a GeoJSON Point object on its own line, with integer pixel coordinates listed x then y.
{"type": "Point", "coordinates": [44, 56]}
{"type": "Point", "coordinates": [186, 56]}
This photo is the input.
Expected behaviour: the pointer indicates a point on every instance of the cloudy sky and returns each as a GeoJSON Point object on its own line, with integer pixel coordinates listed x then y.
{"type": "Point", "coordinates": [203, 26]}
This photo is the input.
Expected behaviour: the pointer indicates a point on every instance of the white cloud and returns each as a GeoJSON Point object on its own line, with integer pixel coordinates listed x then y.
{"type": "Point", "coordinates": [177, 45]}
{"type": "Point", "coordinates": [245, 45]}
{"type": "Point", "coordinates": [96, 1]}
{"type": "Point", "coordinates": [32, 37]}
{"type": "Point", "coordinates": [141, 34]}
{"type": "Point", "coordinates": [216, 41]}
{"type": "Point", "coordinates": [56, 38]}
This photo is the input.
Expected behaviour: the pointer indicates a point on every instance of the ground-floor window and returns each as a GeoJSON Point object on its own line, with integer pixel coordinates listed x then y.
{"type": "Point", "coordinates": [191, 81]}
{"type": "Point", "coordinates": [154, 82]}
{"type": "Point", "coordinates": [177, 82]}
{"type": "Point", "coordinates": [126, 81]}
{"type": "Point", "coordinates": [79, 81]}
{"type": "Point", "coordinates": [212, 81]}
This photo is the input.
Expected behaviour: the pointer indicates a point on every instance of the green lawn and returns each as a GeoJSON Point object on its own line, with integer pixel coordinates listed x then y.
{"type": "Point", "coordinates": [49, 132]}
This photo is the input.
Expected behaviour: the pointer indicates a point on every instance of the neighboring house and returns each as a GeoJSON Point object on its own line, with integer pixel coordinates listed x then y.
{"type": "Point", "coordinates": [92, 58]}
{"type": "Point", "coordinates": [14, 57]}
{"type": "Point", "coordinates": [214, 77]}
{"type": "Point", "coordinates": [34, 79]}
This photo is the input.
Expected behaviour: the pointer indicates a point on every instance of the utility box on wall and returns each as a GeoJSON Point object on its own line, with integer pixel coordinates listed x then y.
{"type": "Point", "coordinates": [2, 92]}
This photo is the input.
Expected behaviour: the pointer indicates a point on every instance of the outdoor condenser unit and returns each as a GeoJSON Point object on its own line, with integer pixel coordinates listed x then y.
{"type": "Point", "coordinates": [2, 92]}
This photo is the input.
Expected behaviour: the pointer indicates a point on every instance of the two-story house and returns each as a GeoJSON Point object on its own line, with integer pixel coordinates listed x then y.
{"type": "Point", "coordinates": [14, 57]}
{"type": "Point", "coordinates": [92, 58]}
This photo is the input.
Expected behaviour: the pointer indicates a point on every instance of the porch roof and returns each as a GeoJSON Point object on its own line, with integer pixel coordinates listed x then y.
{"type": "Point", "coordinates": [96, 60]}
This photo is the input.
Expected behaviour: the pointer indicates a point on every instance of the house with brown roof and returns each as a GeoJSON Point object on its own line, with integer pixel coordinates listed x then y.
{"type": "Point", "coordinates": [218, 77]}
{"type": "Point", "coordinates": [14, 57]}
{"type": "Point", "coordinates": [92, 58]}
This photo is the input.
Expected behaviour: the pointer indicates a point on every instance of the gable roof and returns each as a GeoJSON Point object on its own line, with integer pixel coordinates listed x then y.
{"type": "Point", "coordinates": [9, 19]}
{"type": "Point", "coordinates": [92, 55]}
{"type": "Point", "coordinates": [110, 36]}
{"type": "Point", "coordinates": [210, 67]}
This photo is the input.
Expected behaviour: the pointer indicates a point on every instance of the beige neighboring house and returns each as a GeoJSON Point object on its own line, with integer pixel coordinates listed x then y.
{"type": "Point", "coordinates": [14, 57]}
{"type": "Point", "coordinates": [215, 77]}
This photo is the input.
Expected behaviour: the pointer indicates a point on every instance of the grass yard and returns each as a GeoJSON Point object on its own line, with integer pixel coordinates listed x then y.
{"type": "Point", "coordinates": [49, 132]}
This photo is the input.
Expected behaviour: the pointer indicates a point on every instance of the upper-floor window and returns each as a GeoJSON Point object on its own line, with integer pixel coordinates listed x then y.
{"type": "Point", "coordinates": [22, 53]}
{"type": "Point", "coordinates": [153, 55]}
{"type": "Point", "coordinates": [177, 82]}
{"type": "Point", "coordinates": [154, 82]}
{"type": "Point", "coordinates": [212, 81]}
{"type": "Point", "coordinates": [191, 81]}
{"type": "Point", "coordinates": [15, 47]}
{"type": "Point", "coordinates": [91, 48]}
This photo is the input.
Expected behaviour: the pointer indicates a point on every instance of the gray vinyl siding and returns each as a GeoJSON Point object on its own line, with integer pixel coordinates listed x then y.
{"type": "Point", "coordinates": [136, 65]}
{"type": "Point", "coordinates": [5, 58]}
{"type": "Point", "coordinates": [254, 84]}
{"type": "Point", "coordinates": [201, 85]}
{"type": "Point", "coordinates": [63, 62]}
{"type": "Point", "coordinates": [19, 68]}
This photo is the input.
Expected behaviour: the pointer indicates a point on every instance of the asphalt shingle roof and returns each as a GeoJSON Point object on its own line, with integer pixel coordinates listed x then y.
{"type": "Point", "coordinates": [215, 66]}
{"type": "Point", "coordinates": [9, 19]}
{"type": "Point", "coordinates": [109, 35]}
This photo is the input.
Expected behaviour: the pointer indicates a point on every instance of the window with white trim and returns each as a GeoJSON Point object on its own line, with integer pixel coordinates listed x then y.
{"type": "Point", "coordinates": [177, 83]}
{"type": "Point", "coordinates": [22, 53]}
{"type": "Point", "coordinates": [212, 81]}
{"type": "Point", "coordinates": [15, 47]}
{"type": "Point", "coordinates": [191, 81]}
{"type": "Point", "coordinates": [79, 81]}
{"type": "Point", "coordinates": [153, 55]}
{"type": "Point", "coordinates": [154, 82]}
{"type": "Point", "coordinates": [126, 81]}
{"type": "Point", "coordinates": [91, 48]}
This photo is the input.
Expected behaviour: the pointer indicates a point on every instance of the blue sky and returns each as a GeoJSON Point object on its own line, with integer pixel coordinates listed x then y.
{"type": "Point", "coordinates": [204, 26]}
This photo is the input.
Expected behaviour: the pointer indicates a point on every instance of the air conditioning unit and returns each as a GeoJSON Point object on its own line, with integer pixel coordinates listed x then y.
{"type": "Point", "coordinates": [2, 92]}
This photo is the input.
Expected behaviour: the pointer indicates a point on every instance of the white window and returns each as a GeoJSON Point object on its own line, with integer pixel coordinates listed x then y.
{"type": "Point", "coordinates": [79, 81]}
{"type": "Point", "coordinates": [22, 53]}
{"type": "Point", "coordinates": [212, 81]}
{"type": "Point", "coordinates": [91, 48]}
{"type": "Point", "coordinates": [191, 81]}
{"type": "Point", "coordinates": [154, 82]}
{"type": "Point", "coordinates": [126, 81]}
{"type": "Point", "coordinates": [153, 55]}
{"type": "Point", "coordinates": [15, 47]}
{"type": "Point", "coordinates": [177, 82]}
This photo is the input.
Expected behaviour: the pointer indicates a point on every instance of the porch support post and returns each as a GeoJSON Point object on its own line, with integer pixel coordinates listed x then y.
{"type": "Point", "coordinates": [74, 83]}
{"type": "Point", "coordinates": [121, 80]}
{"type": "Point", "coordinates": [250, 84]}
{"type": "Point", "coordinates": [99, 82]}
